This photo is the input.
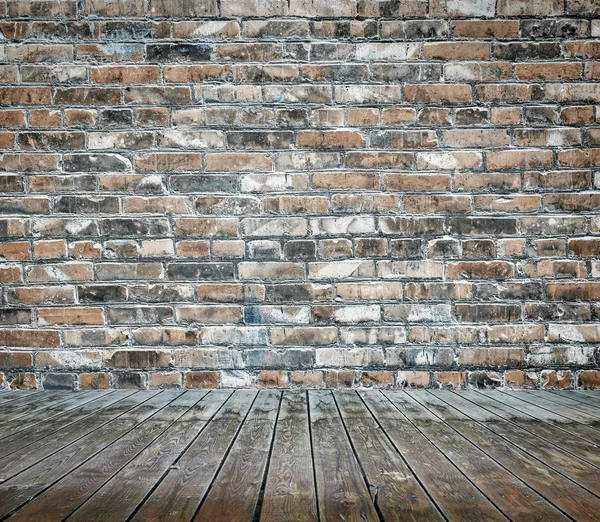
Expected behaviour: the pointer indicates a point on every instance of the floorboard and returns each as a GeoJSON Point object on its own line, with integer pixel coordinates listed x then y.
{"type": "Point", "coordinates": [299, 456]}
{"type": "Point", "coordinates": [178, 496]}
{"type": "Point", "coordinates": [128, 488]}
{"type": "Point", "coordinates": [234, 495]}
{"type": "Point", "coordinates": [560, 437]}
{"type": "Point", "coordinates": [32, 432]}
{"type": "Point", "coordinates": [511, 495]}
{"type": "Point", "coordinates": [290, 490]}
{"type": "Point", "coordinates": [575, 428]}
{"type": "Point", "coordinates": [15, 410]}
{"type": "Point", "coordinates": [453, 493]}
{"type": "Point", "coordinates": [587, 397]}
{"type": "Point", "coordinates": [564, 400]}
{"type": "Point", "coordinates": [544, 401]}
{"type": "Point", "coordinates": [565, 494]}
{"type": "Point", "coordinates": [342, 492]}
{"type": "Point", "coordinates": [570, 466]}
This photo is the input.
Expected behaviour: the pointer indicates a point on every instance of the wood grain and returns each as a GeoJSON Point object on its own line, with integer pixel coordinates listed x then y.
{"type": "Point", "coordinates": [395, 491]}
{"type": "Point", "coordinates": [452, 492]}
{"type": "Point", "coordinates": [569, 465]}
{"type": "Point", "coordinates": [562, 438]}
{"type": "Point", "coordinates": [180, 493]}
{"type": "Point", "coordinates": [341, 488]}
{"type": "Point", "coordinates": [234, 494]}
{"type": "Point", "coordinates": [316, 456]}
{"type": "Point", "coordinates": [512, 496]}
{"type": "Point", "coordinates": [566, 495]}
{"type": "Point", "coordinates": [29, 483]}
{"type": "Point", "coordinates": [290, 491]}
{"type": "Point", "coordinates": [119, 497]}
{"type": "Point", "coordinates": [68, 494]}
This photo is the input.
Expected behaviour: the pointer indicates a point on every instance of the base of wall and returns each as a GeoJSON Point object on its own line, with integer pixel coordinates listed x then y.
{"type": "Point", "coordinates": [326, 378]}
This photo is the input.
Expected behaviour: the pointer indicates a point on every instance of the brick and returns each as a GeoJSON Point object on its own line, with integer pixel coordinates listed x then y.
{"type": "Point", "coordinates": [59, 381]}
{"type": "Point", "coordinates": [588, 379]}
{"type": "Point", "coordinates": [480, 270]}
{"type": "Point", "coordinates": [519, 159]}
{"type": "Point", "coordinates": [125, 74]}
{"type": "Point", "coordinates": [520, 379]}
{"type": "Point", "coordinates": [272, 379]}
{"type": "Point", "coordinates": [449, 380]}
{"type": "Point", "coordinates": [500, 357]}
{"type": "Point", "coordinates": [441, 160]}
{"type": "Point", "coordinates": [30, 338]}
{"type": "Point", "coordinates": [165, 380]}
{"type": "Point", "coordinates": [201, 380]}
{"type": "Point", "coordinates": [94, 381]}
{"type": "Point", "coordinates": [457, 50]}
{"type": "Point", "coordinates": [529, 8]}
{"type": "Point", "coordinates": [331, 139]}
{"type": "Point", "coordinates": [307, 379]}
{"type": "Point", "coordinates": [181, 8]}
{"type": "Point", "coordinates": [556, 379]}
{"type": "Point", "coordinates": [485, 28]}
{"type": "Point", "coordinates": [548, 71]}
{"type": "Point", "coordinates": [441, 93]}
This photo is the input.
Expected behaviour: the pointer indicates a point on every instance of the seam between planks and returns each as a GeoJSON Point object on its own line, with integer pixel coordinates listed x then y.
{"type": "Point", "coordinates": [92, 456]}
{"type": "Point", "coordinates": [224, 458]}
{"type": "Point", "coordinates": [493, 458]}
{"type": "Point", "coordinates": [443, 455]}
{"type": "Point", "coordinates": [312, 454]}
{"type": "Point", "coordinates": [522, 450]}
{"type": "Point", "coordinates": [402, 457]}
{"type": "Point", "coordinates": [157, 483]}
{"type": "Point", "coordinates": [564, 448]}
{"type": "Point", "coordinates": [261, 493]}
{"type": "Point", "coordinates": [554, 412]}
{"type": "Point", "coordinates": [355, 453]}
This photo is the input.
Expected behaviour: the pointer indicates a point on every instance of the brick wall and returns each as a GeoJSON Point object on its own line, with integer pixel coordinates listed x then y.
{"type": "Point", "coordinates": [299, 193]}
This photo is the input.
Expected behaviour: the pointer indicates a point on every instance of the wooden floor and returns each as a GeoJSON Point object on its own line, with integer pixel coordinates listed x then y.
{"type": "Point", "coordinates": [299, 456]}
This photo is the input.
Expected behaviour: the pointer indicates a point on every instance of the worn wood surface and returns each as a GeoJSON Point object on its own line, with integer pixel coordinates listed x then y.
{"type": "Point", "coordinates": [299, 456]}
{"type": "Point", "coordinates": [290, 491]}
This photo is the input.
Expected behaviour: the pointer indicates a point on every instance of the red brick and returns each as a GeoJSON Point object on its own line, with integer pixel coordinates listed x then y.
{"type": "Point", "coordinates": [201, 380]}
{"type": "Point", "coordinates": [94, 381]}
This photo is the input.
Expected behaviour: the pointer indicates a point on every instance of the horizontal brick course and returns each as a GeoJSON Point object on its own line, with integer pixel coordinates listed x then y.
{"type": "Point", "coordinates": [299, 193]}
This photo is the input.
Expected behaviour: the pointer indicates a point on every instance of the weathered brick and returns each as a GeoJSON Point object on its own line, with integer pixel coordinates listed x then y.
{"type": "Point", "coordinates": [186, 177]}
{"type": "Point", "coordinates": [201, 380]}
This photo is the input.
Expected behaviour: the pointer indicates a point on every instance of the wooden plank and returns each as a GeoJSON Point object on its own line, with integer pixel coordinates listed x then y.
{"type": "Point", "coordinates": [33, 481]}
{"type": "Point", "coordinates": [342, 493]}
{"type": "Point", "coordinates": [71, 411]}
{"type": "Point", "coordinates": [564, 400]}
{"type": "Point", "coordinates": [573, 427]}
{"type": "Point", "coordinates": [290, 491]}
{"type": "Point", "coordinates": [109, 407]}
{"type": "Point", "coordinates": [15, 395]}
{"type": "Point", "coordinates": [396, 492]}
{"type": "Point", "coordinates": [512, 496]}
{"type": "Point", "coordinates": [454, 495]}
{"type": "Point", "coordinates": [555, 435]}
{"type": "Point", "coordinates": [61, 499]}
{"type": "Point", "coordinates": [179, 494]}
{"type": "Point", "coordinates": [31, 417]}
{"type": "Point", "coordinates": [587, 396]}
{"type": "Point", "coordinates": [35, 402]}
{"type": "Point", "coordinates": [565, 494]}
{"type": "Point", "coordinates": [561, 461]}
{"type": "Point", "coordinates": [541, 401]}
{"type": "Point", "coordinates": [234, 495]}
{"type": "Point", "coordinates": [121, 495]}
